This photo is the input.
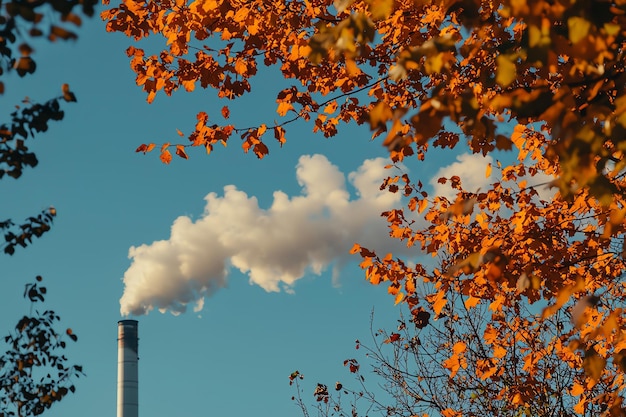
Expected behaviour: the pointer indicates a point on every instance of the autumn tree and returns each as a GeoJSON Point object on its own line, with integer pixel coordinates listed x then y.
{"type": "Point", "coordinates": [445, 368]}
{"type": "Point", "coordinates": [34, 372]}
{"type": "Point", "coordinates": [541, 80]}
{"type": "Point", "coordinates": [22, 24]}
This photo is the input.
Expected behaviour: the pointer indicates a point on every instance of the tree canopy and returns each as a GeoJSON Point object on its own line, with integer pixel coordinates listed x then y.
{"type": "Point", "coordinates": [544, 80]}
{"type": "Point", "coordinates": [34, 372]}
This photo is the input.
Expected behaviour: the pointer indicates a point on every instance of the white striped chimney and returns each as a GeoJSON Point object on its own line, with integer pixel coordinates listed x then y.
{"type": "Point", "coordinates": [127, 375]}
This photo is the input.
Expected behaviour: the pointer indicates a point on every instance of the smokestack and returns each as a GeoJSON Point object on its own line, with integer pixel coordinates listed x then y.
{"type": "Point", "coordinates": [127, 375]}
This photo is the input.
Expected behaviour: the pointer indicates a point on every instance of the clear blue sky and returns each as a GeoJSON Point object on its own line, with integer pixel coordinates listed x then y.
{"type": "Point", "coordinates": [234, 356]}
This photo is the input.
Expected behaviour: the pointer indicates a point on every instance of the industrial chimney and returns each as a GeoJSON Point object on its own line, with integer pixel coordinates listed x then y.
{"type": "Point", "coordinates": [127, 375]}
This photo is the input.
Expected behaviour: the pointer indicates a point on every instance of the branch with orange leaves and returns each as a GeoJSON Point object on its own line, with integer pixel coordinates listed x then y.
{"type": "Point", "coordinates": [207, 136]}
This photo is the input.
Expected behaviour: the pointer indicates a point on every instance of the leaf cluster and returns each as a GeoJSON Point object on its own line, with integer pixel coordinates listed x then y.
{"type": "Point", "coordinates": [34, 372]}
{"type": "Point", "coordinates": [15, 156]}
{"type": "Point", "coordinates": [447, 368]}
{"type": "Point", "coordinates": [21, 22]}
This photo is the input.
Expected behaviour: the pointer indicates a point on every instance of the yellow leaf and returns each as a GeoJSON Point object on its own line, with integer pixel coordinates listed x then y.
{"type": "Point", "coordinates": [488, 171]}
{"type": "Point", "coordinates": [612, 29]}
{"type": "Point", "coordinates": [434, 63]}
{"type": "Point", "coordinates": [578, 28]}
{"type": "Point", "coordinates": [380, 9]}
{"type": "Point", "coordinates": [506, 72]}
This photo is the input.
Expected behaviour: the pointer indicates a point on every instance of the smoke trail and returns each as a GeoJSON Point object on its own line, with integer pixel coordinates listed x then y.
{"type": "Point", "coordinates": [275, 246]}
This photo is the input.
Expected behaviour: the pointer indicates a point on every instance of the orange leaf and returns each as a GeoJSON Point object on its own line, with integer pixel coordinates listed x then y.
{"type": "Point", "coordinates": [379, 115]}
{"type": "Point", "coordinates": [459, 347]}
{"type": "Point", "coordinates": [330, 107]}
{"type": "Point", "coordinates": [471, 302]}
{"type": "Point", "coordinates": [448, 412]}
{"type": "Point", "coordinates": [283, 108]}
{"type": "Point", "coordinates": [225, 112]}
{"type": "Point", "coordinates": [399, 298]}
{"type": "Point", "coordinates": [279, 134]}
{"type": "Point", "coordinates": [577, 389]}
{"type": "Point", "coordinates": [439, 302]}
{"type": "Point", "coordinates": [421, 206]}
{"type": "Point", "coordinates": [67, 94]}
{"type": "Point", "coordinates": [409, 285]}
{"type": "Point", "coordinates": [166, 156]}
{"type": "Point", "coordinates": [180, 151]}
{"type": "Point", "coordinates": [393, 289]}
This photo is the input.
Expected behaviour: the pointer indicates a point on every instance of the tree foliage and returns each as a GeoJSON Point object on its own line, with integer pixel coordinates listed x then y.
{"type": "Point", "coordinates": [22, 22]}
{"type": "Point", "coordinates": [15, 156]}
{"type": "Point", "coordinates": [446, 368]}
{"type": "Point", "coordinates": [34, 372]}
{"type": "Point", "coordinates": [544, 80]}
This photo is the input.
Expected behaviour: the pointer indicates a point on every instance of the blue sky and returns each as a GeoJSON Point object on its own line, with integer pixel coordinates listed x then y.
{"type": "Point", "coordinates": [234, 355]}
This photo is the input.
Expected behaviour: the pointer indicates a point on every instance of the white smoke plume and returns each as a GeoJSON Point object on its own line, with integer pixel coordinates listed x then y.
{"type": "Point", "coordinates": [275, 246]}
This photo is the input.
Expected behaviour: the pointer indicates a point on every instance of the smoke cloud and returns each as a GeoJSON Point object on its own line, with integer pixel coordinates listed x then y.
{"type": "Point", "coordinates": [275, 247]}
